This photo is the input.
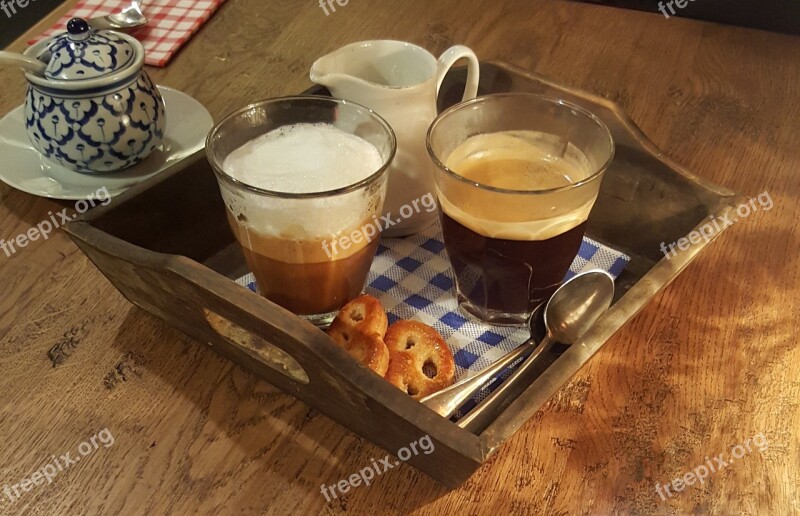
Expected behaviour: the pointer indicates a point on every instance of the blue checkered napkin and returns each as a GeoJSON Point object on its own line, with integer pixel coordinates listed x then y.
{"type": "Point", "coordinates": [412, 278]}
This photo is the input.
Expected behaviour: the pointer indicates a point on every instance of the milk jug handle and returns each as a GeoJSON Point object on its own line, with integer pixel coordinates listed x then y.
{"type": "Point", "coordinates": [449, 58]}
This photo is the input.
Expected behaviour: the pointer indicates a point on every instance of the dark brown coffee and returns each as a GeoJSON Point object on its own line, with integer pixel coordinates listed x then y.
{"type": "Point", "coordinates": [510, 252]}
{"type": "Point", "coordinates": [510, 276]}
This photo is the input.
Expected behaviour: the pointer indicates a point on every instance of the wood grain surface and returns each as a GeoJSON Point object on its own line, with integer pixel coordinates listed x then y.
{"type": "Point", "coordinates": [711, 363]}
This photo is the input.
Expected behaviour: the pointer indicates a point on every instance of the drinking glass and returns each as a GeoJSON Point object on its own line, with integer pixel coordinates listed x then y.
{"type": "Point", "coordinates": [309, 252]}
{"type": "Point", "coordinates": [510, 248]}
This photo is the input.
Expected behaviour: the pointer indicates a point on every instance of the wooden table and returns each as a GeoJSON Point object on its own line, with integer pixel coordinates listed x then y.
{"type": "Point", "coordinates": [712, 362]}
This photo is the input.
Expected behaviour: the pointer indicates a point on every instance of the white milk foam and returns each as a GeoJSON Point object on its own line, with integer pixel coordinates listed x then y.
{"type": "Point", "coordinates": [302, 158]}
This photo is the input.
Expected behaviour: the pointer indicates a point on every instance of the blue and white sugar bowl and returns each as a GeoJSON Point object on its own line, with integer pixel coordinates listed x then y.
{"type": "Point", "coordinates": [94, 109]}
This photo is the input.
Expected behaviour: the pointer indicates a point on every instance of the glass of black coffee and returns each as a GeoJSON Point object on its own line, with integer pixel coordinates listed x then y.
{"type": "Point", "coordinates": [516, 175]}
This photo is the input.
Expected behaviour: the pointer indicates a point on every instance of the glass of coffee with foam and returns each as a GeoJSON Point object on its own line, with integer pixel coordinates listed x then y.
{"type": "Point", "coordinates": [304, 180]}
{"type": "Point", "coordinates": [516, 175]}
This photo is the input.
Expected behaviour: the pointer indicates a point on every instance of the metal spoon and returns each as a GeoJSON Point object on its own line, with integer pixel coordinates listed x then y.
{"type": "Point", "coordinates": [571, 311]}
{"type": "Point", "coordinates": [130, 18]}
{"type": "Point", "coordinates": [446, 402]}
{"type": "Point", "coordinates": [27, 63]}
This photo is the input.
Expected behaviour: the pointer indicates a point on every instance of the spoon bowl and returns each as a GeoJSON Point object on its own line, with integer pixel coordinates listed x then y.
{"type": "Point", "coordinates": [129, 18]}
{"type": "Point", "coordinates": [571, 312]}
{"type": "Point", "coordinates": [577, 304]}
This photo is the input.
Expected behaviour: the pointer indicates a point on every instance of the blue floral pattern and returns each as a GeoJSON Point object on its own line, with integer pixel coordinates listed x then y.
{"type": "Point", "coordinates": [102, 133]}
{"type": "Point", "coordinates": [102, 54]}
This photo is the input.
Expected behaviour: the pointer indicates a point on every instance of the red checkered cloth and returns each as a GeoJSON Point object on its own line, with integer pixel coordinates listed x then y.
{"type": "Point", "coordinates": [171, 23]}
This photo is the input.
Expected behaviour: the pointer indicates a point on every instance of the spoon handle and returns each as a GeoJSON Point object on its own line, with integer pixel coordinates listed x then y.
{"type": "Point", "coordinates": [480, 417]}
{"type": "Point", "coordinates": [447, 401]}
{"type": "Point", "coordinates": [30, 64]}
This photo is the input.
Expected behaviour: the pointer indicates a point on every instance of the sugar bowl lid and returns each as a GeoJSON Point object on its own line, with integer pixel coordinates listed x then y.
{"type": "Point", "coordinates": [82, 53]}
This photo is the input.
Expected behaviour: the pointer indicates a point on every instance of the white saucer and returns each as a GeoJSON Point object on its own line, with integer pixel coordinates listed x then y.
{"type": "Point", "coordinates": [23, 168]}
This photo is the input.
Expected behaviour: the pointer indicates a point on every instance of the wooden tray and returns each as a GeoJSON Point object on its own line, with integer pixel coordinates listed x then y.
{"type": "Point", "coordinates": [166, 245]}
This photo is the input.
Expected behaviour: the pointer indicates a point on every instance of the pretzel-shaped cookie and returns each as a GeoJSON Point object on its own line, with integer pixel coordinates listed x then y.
{"type": "Point", "coordinates": [420, 361]}
{"type": "Point", "coordinates": [365, 314]}
{"type": "Point", "coordinates": [369, 349]}
{"type": "Point", "coordinates": [359, 329]}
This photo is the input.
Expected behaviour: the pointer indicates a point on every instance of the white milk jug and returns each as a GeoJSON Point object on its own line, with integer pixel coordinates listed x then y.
{"type": "Point", "coordinates": [399, 81]}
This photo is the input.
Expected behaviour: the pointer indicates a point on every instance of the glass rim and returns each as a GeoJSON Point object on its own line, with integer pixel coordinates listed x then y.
{"type": "Point", "coordinates": [553, 100]}
{"type": "Point", "coordinates": [220, 172]}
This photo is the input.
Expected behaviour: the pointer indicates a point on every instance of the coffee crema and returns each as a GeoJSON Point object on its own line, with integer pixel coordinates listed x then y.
{"type": "Point", "coordinates": [510, 253]}
{"type": "Point", "coordinates": [522, 161]}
